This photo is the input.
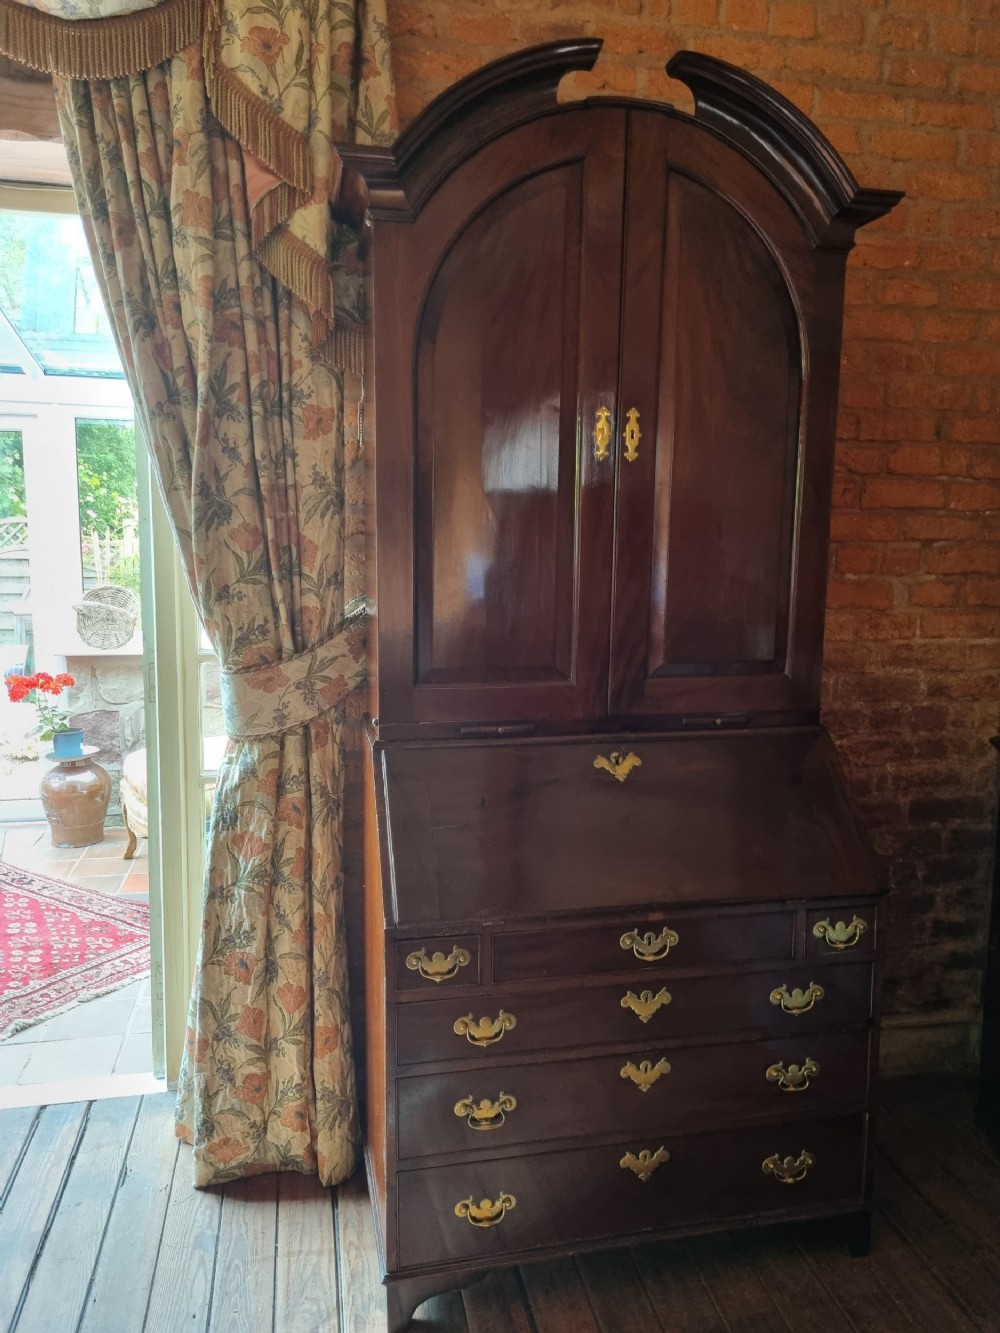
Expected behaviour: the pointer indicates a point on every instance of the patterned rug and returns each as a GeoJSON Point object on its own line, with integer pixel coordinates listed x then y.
{"type": "Point", "coordinates": [60, 944]}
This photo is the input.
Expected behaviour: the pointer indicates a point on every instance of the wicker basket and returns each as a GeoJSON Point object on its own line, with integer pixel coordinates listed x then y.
{"type": "Point", "coordinates": [107, 616]}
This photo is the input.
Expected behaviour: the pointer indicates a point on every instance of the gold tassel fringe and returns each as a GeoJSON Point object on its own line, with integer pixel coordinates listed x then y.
{"type": "Point", "coordinates": [98, 48]}
{"type": "Point", "coordinates": [252, 122]}
{"type": "Point", "coordinates": [276, 207]}
{"type": "Point", "coordinates": [301, 270]}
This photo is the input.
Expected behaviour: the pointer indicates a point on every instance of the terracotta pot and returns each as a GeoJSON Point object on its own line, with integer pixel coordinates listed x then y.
{"type": "Point", "coordinates": [75, 796]}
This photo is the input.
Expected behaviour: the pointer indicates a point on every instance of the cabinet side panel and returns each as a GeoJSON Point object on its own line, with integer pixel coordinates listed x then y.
{"type": "Point", "coordinates": [378, 1112]}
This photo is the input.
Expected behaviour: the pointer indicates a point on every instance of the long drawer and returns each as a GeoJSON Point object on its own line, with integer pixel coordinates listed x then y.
{"type": "Point", "coordinates": [658, 1089]}
{"type": "Point", "coordinates": [823, 998]}
{"type": "Point", "coordinates": [493, 1206]}
{"type": "Point", "coordinates": [642, 943]}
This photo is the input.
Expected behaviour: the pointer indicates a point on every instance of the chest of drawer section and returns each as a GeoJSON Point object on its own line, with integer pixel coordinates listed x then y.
{"type": "Point", "coordinates": [599, 1072]}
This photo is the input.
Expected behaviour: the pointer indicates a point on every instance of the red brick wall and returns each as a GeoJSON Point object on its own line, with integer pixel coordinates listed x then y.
{"type": "Point", "coordinates": [907, 90]}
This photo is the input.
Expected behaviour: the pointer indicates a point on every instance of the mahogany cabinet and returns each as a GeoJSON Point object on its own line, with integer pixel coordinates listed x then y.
{"type": "Point", "coordinates": [621, 923]}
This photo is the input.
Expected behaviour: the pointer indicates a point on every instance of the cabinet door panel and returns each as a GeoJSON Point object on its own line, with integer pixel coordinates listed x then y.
{"type": "Point", "coordinates": [715, 348]}
{"type": "Point", "coordinates": [720, 522]}
{"type": "Point", "coordinates": [509, 323]}
{"type": "Point", "coordinates": [497, 441]}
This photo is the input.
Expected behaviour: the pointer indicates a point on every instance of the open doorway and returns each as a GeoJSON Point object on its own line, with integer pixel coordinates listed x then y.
{"type": "Point", "coordinates": [76, 997]}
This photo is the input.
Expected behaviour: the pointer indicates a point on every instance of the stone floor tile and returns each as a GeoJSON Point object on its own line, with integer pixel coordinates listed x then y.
{"type": "Point", "coordinates": [86, 1057]}
{"type": "Point", "coordinates": [135, 1055]}
{"type": "Point", "coordinates": [99, 883]}
{"type": "Point", "coordinates": [107, 1016]}
{"type": "Point", "coordinates": [34, 1033]}
{"type": "Point", "coordinates": [49, 853]}
{"type": "Point", "coordinates": [13, 1058]}
{"type": "Point", "coordinates": [103, 865]}
{"type": "Point", "coordinates": [142, 1016]}
{"type": "Point", "coordinates": [100, 851]}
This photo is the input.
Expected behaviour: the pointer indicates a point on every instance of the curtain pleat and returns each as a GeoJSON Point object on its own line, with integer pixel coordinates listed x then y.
{"type": "Point", "coordinates": [245, 422]}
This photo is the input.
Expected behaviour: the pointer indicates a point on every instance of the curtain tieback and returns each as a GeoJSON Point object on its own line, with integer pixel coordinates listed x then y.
{"type": "Point", "coordinates": [286, 696]}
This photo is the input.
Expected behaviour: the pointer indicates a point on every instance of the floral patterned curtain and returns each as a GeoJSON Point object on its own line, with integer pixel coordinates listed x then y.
{"type": "Point", "coordinates": [205, 184]}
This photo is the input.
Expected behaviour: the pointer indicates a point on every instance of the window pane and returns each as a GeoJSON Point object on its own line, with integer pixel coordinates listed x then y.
{"type": "Point", "coordinates": [109, 511]}
{"type": "Point", "coordinates": [213, 736]}
{"type": "Point", "coordinates": [14, 576]}
{"type": "Point", "coordinates": [49, 294]}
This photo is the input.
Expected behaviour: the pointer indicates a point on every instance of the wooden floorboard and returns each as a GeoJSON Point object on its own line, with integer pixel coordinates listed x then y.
{"type": "Point", "coordinates": [306, 1298]}
{"type": "Point", "coordinates": [101, 1231]}
{"type": "Point", "coordinates": [362, 1303]}
{"type": "Point", "coordinates": [616, 1293]}
{"type": "Point", "coordinates": [15, 1130]}
{"type": "Point", "coordinates": [61, 1279]}
{"type": "Point", "coordinates": [243, 1293]}
{"type": "Point", "coordinates": [31, 1201]}
{"type": "Point", "coordinates": [119, 1291]}
{"type": "Point", "coordinates": [181, 1293]}
{"type": "Point", "coordinates": [673, 1282]}
{"type": "Point", "coordinates": [738, 1290]}
{"type": "Point", "coordinates": [558, 1298]}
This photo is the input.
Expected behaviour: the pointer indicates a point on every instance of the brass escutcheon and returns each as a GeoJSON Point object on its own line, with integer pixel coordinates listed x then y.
{"type": "Point", "coordinates": [485, 1213]}
{"type": "Point", "coordinates": [486, 1114]}
{"type": "Point", "coordinates": [602, 434]}
{"type": "Point", "coordinates": [650, 948]}
{"type": "Point", "coordinates": [645, 1074]}
{"type": "Point", "coordinates": [485, 1031]}
{"type": "Point", "coordinates": [438, 967]}
{"type": "Point", "coordinates": [789, 1170]}
{"type": "Point", "coordinates": [618, 765]}
{"type": "Point", "coordinates": [645, 1162]}
{"type": "Point", "coordinates": [793, 1079]}
{"type": "Point", "coordinates": [842, 935]}
{"type": "Point", "coordinates": [797, 1001]}
{"type": "Point", "coordinates": [632, 435]}
{"type": "Point", "coordinates": [645, 1004]}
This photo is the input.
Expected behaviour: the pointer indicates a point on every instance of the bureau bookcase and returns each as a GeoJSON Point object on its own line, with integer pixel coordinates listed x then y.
{"type": "Point", "coordinates": [621, 924]}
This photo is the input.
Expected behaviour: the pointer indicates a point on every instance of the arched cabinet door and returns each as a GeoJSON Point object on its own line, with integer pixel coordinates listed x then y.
{"type": "Point", "coordinates": [500, 342]}
{"type": "Point", "coordinates": [719, 561]}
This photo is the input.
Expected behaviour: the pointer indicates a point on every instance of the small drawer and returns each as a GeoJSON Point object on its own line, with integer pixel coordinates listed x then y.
{"type": "Point", "coordinates": [847, 931]}
{"type": "Point", "coordinates": [432, 964]}
{"type": "Point", "coordinates": [787, 1000]}
{"type": "Point", "coordinates": [657, 1089]}
{"type": "Point", "coordinates": [489, 1207]}
{"type": "Point", "coordinates": [639, 944]}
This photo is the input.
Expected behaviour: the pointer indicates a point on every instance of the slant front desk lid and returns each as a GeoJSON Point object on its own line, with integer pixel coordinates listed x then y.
{"type": "Point", "coordinates": [489, 831]}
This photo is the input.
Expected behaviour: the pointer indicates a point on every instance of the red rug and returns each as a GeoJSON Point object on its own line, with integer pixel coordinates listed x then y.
{"type": "Point", "coordinates": [60, 944]}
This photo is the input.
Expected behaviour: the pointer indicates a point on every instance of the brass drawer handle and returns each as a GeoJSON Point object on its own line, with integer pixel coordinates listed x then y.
{"type": "Point", "coordinates": [485, 1213]}
{"type": "Point", "coordinates": [632, 435]}
{"type": "Point", "coordinates": [617, 764]}
{"type": "Point", "coordinates": [485, 1114]}
{"type": "Point", "coordinates": [645, 1074]}
{"type": "Point", "coordinates": [438, 967]}
{"type": "Point", "coordinates": [645, 1004]}
{"type": "Point", "coordinates": [793, 1079]}
{"type": "Point", "coordinates": [645, 1163]}
{"type": "Point", "coordinates": [789, 1170]}
{"type": "Point", "coordinates": [842, 935]}
{"type": "Point", "coordinates": [487, 1030]}
{"type": "Point", "coordinates": [797, 1001]}
{"type": "Point", "coordinates": [602, 434]}
{"type": "Point", "coordinates": [650, 948]}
